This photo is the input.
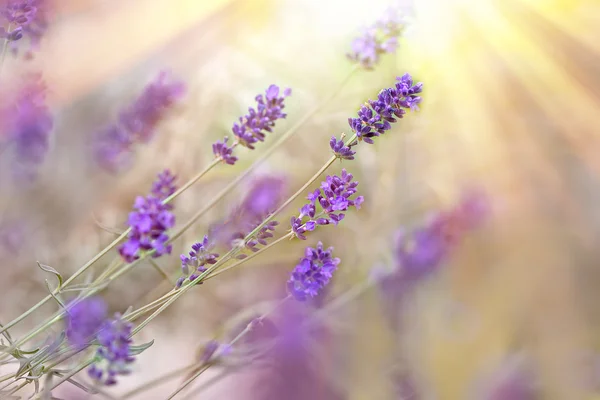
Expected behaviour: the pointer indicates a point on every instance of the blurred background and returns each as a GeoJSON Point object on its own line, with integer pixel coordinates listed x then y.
{"type": "Point", "coordinates": [509, 106]}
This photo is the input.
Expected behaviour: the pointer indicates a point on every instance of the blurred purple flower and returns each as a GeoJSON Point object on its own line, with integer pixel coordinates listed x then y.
{"type": "Point", "coordinates": [149, 222]}
{"type": "Point", "coordinates": [220, 149]}
{"type": "Point", "coordinates": [312, 273]}
{"type": "Point", "coordinates": [114, 354]}
{"type": "Point", "coordinates": [195, 263]}
{"type": "Point", "coordinates": [28, 124]}
{"type": "Point", "coordinates": [24, 19]}
{"type": "Point", "coordinates": [265, 194]}
{"type": "Point", "coordinates": [334, 196]}
{"type": "Point", "coordinates": [83, 320]}
{"type": "Point", "coordinates": [297, 348]}
{"type": "Point", "coordinates": [378, 39]}
{"type": "Point", "coordinates": [253, 126]}
{"type": "Point", "coordinates": [511, 381]}
{"type": "Point", "coordinates": [113, 145]}
{"type": "Point", "coordinates": [164, 186]}
{"type": "Point", "coordinates": [376, 117]}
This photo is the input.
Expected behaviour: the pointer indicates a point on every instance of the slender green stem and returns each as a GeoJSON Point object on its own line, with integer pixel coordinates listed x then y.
{"type": "Point", "coordinates": [158, 381]}
{"type": "Point", "coordinates": [188, 381]}
{"type": "Point", "coordinates": [195, 179]}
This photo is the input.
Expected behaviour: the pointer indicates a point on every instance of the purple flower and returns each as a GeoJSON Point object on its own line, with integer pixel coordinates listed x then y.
{"type": "Point", "coordinates": [114, 354]}
{"type": "Point", "coordinates": [220, 149]}
{"type": "Point", "coordinates": [378, 39]}
{"type": "Point", "coordinates": [419, 254]}
{"type": "Point", "coordinates": [312, 273]}
{"type": "Point", "coordinates": [113, 145]}
{"type": "Point", "coordinates": [340, 149]}
{"type": "Point", "coordinates": [23, 19]}
{"type": "Point", "coordinates": [28, 124]}
{"type": "Point", "coordinates": [195, 263]}
{"type": "Point", "coordinates": [376, 117]}
{"type": "Point", "coordinates": [164, 186]}
{"type": "Point", "coordinates": [264, 196]}
{"type": "Point", "coordinates": [150, 221]}
{"type": "Point", "coordinates": [83, 320]}
{"type": "Point", "coordinates": [253, 126]}
{"type": "Point", "coordinates": [333, 197]}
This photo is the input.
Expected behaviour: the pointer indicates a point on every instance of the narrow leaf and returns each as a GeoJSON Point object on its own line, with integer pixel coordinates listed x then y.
{"type": "Point", "coordinates": [52, 271]}
{"type": "Point", "coordinates": [135, 350]}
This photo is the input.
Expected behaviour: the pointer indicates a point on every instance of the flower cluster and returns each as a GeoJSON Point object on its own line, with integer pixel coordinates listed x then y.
{"type": "Point", "coordinates": [334, 197]}
{"type": "Point", "coordinates": [376, 116]}
{"type": "Point", "coordinates": [253, 126]}
{"type": "Point", "coordinates": [312, 273]}
{"type": "Point", "coordinates": [340, 149]}
{"type": "Point", "coordinates": [28, 124]}
{"type": "Point", "coordinates": [196, 261]}
{"type": "Point", "coordinates": [114, 354]}
{"type": "Point", "coordinates": [23, 18]}
{"type": "Point", "coordinates": [377, 39]}
{"type": "Point", "coordinates": [264, 196]}
{"type": "Point", "coordinates": [150, 221]}
{"type": "Point", "coordinates": [136, 124]}
{"type": "Point", "coordinates": [225, 152]}
{"type": "Point", "coordinates": [83, 320]}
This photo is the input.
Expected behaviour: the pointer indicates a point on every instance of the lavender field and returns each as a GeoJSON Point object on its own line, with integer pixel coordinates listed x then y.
{"type": "Point", "coordinates": [299, 199]}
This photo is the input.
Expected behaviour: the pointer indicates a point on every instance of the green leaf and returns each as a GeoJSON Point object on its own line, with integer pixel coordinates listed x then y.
{"type": "Point", "coordinates": [52, 271]}
{"type": "Point", "coordinates": [135, 350]}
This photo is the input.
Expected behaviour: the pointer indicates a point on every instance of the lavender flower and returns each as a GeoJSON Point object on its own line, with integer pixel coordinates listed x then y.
{"type": "Point", "coordinates": [28, 124]}
{"type": "Point", "coordinates": [340, 150]}
{"type": "Point", "coordinates": [136, 124]}
{"type": "Point", "coordinates": [150, 221]}
{"type": "Point", "coordinates": [164, 186]}
{"type": "Point", "coordinates": [253, 126]}
{"type": "Point", "coordinates": [333, 197]}
{"type": "Point", "coordinates": [220, 149]}
{"type": "Point", "coordinates": [377, 39]}
{"type": "Point", "coordinates": [196, 261]}
{"type": "Point", "coordinates": [312, 273]}
{"type": "Point", "coordinates": [23, 19]}
{"type": "Point", "coordinates": [83, 320]}
{"type": "Point", "coordinates": [264, 196]}
{"type": "Point", "coordinates": [376, 116]}
{"type": "Point", "coordinates": [114, 354]}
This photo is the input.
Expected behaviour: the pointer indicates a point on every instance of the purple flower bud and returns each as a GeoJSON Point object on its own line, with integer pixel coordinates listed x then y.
{"type": "Point", "coordinates": [312, 273]}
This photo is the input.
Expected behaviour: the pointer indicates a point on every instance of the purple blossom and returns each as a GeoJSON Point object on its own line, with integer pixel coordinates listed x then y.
{"type": "Point", "coordinates": [220, 149]}
{"type": "Point", "coordinates": [83, 320]}
{"type": "Point", "coordinates": [164, 186]}
{"type": "Point", "coordinates": [312, 273]}
{"type": "Point", "coordinates": [136, 124]}
{"type": "Point", "coordinates": [253, 127]}
{"type": "Point", "coordinates": [195, 263]}
{"type": "Point", "coordinates": [150, 221]}
{"type": "Point", "coordinates": [28, 124]}
{"type": "Point", "coordinates": [376, 116]}
{"type": "Point", "coordinates": [23, 19]}
{"type": "Point", "coordinates": [340, 149]}
{"type": "Point", "coordinates": [377, 39]}
{"type": "Point", "coordinates": [333, 197]}
{"type": "Point", "coordinates": [265, 194]}
{"type": "Point", "coordinates": [114, 354]}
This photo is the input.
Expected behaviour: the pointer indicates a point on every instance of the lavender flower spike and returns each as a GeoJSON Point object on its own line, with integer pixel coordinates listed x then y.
{"type": "Point", "coordinates": [312, 273]}
{"type": "Point", "coordinates": [83, 320]}
{"type": "Point", "coordinates": [340, 150]}
{"type": "Point", "coordinates": [225, 152]}
{"type": "Point", "coordinates": [113, 145]}
{"type": "Point", "coordinates": [23, 19]}
{"type": "Point", "coordinates": [114, 354]}
{"type": "Point", "coordinates": [150, 221]}
{"type": "Point", "coordinates": [197, 260]}
{"type": "Point", "coordinates": [377, 116]}
{"type": "Point", "coordinates": [253, 126]}
{"type": "Point", "coordinates": [377, 39]}
{"type": "Point", "coordinates": [333, 197]}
